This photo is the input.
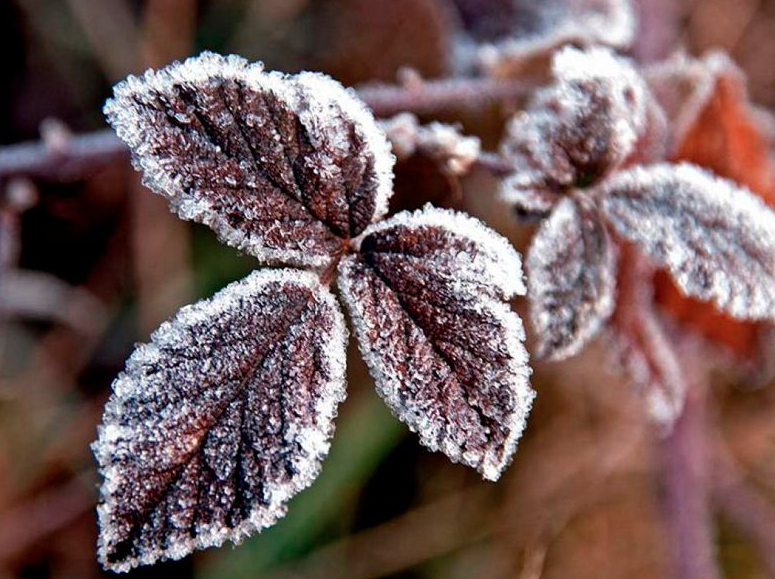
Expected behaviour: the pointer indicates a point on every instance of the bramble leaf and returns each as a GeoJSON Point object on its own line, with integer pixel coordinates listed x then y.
{"type": "Point", "coordinates": [715, 126]}
{"type": "Point", "coordinates": [507, 36]}
{"type": "Point", "coordinates": [285, 168]}
{"type": "Point", "coordinates": [716, 239]}
{"type": "Point", "coordinates": [426, 294]}
{"type": "Point", "coordinates": [576, 131]}
{"type": "Point", "coordinates": [571, 270]}
{"type": "Point", "coordinates": [222, 418]}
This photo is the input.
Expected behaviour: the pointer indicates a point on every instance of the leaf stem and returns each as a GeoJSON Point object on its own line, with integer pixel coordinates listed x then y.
{"type": "Point", "coordinates": [683, 453]}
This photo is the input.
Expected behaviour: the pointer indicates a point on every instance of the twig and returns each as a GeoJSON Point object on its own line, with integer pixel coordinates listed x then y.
{"type": "Point", "coordinates": [683, 452]}
{"type": "Point", "coordinates": [494, 163]}
{"type": "Point", "coordinates": [686, 507]}
{"type": "Point", "coordinates": [86, 152]}
{"type": "Point", "coordinates": [83, 153]}
{"type": "Point", "coordinates": [430, 96]}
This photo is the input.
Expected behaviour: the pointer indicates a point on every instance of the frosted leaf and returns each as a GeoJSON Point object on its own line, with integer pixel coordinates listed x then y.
{"type": "Point", "coordinates": [715, 238]}
{"type": "Point", "coordinates": [285, 168]}
{"type": "Point", "coordinates": [715, 126]}
{"type": "Point", "coordinates": [426, 294]}
{"type": "Point", "coordinates": [576, 131]}
{"type": "Point", "coordinates": [505, 36]}
{"type": "Point", "coordinates": [713, 122]}
{"type": "Point", "coordinates": [571, 269]}
{"type": "Point", "coordinates": [220, 419]}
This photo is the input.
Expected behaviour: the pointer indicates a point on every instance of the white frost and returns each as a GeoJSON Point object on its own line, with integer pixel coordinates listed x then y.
{"type": "Point", "coordinates": [148, 421]}
{"type": "Point", "coordinates": [571, 269]}
{"type": "Point", "coordinates": [401, 356]}
{"type": "Point", "coordinates": [716, 238]}
{"type": "Point", "coordinates": [320, 101]}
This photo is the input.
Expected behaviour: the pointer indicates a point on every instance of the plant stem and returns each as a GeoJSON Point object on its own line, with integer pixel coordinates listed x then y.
{"type": "Point", "coordinates": [71, 160]}
{"type": "Point", "coordinates": [683, 452]}
{"type": "Point", "coordinates": [432, 96]}
{"type": "Point", "coordinates": [80, 154]}
{"type": "Point", "coordinates": [684, 461]}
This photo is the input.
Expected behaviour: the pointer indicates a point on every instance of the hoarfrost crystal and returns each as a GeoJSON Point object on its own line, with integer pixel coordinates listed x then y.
{"type": "Point", "coordinates": [426, 293]}
{"type": "Point", "coordinates": [220, 419]}
{"type": "Point", "coordinates": [285, 168]}
{"type": "Point", "coordinates": [571, 270]}
{"type": "Point", "coordinates": [715, 238]}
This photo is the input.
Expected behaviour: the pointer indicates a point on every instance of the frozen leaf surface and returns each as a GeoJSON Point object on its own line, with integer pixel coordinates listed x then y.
{"type": "Point", "coordinates": [571, 270]}
{"type": "Point", "coordinates": [576, 131]}
{"type": "Point", "coordinates": [504, 36]}
{"type": "Point", "coordinates": [427, 296]}
{"type": "Point", "coordinates": [285, 168]}
{"type": "Point", "coordinates": [715, 238]}
{"type": "Point", "coordinates": [220, 419]}
{"type": "Point", "coordinates": [715, 126]}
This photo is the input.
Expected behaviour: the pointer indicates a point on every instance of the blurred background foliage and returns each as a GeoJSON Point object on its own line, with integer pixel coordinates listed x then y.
{"type": "Point", "coordinates": [580, 499]}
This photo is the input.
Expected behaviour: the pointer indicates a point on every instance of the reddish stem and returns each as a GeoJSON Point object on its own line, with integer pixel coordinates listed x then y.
{"type": "Point", "coordinates": [684, 456]}
{"type": "Point", "coordinates": [82, 153]}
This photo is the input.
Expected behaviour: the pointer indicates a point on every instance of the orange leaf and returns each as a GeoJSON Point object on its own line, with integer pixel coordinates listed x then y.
{"type": "Point", "coordinates": [715, 127]}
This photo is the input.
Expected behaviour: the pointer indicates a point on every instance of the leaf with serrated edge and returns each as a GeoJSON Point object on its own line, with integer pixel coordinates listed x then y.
{"type": "Point", "coordinates": [571, 269]}
{"type": "Point", "coordinates": [576, 131]}
{"type": "Point", "coordinates": [506, 36]}
{"type": "Point", "coordinates": [715, 238]}
{"type": "Point", "coordinates": [285, 168]}
{"type": "Point", "coordinates": [222, 418]}
{"type": "Point", "coordinates": [426, 294]}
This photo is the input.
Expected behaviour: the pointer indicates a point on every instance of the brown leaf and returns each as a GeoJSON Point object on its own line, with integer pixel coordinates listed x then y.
{"type": "Point", "coordinates": [576, 131]}
{"type": "Point", "coordinates": [359, 41]}
{"type": "Point", "coordinates": [716, 127]}
{"type": "Point", "coordinates": [286, 168]}
{"type": "Point", "coordinates": [426, 293]}
{"type": "Point", "coordinates": [571, 270]}
{"type": "Point", "coordinates": [220, 419]}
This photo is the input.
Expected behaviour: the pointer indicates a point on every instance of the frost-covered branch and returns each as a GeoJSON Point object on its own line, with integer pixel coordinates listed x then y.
{"type": "Point", "coordinates": [70, 158]}
{"type": "Point", "coordinates": [428, 96]}
{"type": "Point", "coordinates": [79, 154]}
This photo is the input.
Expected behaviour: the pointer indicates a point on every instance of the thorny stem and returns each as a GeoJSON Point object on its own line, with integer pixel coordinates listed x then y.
{"type": "Point", "coordinates": [82, 153]}
{"type": "Point", "coordinates": [684, 457]}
